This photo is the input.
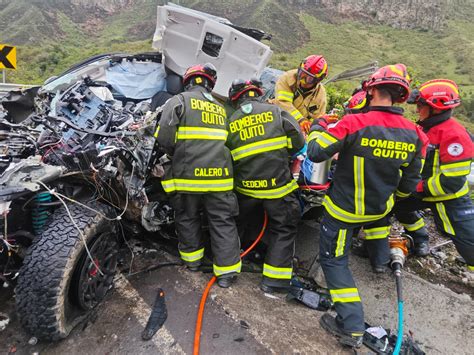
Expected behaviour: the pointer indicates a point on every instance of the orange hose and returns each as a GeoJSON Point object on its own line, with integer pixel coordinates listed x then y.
{"type": "Point", "coordinates": [202, 304]}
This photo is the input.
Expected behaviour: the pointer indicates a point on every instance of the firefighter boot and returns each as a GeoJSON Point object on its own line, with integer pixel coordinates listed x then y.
{"type": "Point", "coordinates": [422, 249]}
{"type": "Point", "coordinates": [329, 323]}
{"type": "Point", "coordinates": [226, 280]}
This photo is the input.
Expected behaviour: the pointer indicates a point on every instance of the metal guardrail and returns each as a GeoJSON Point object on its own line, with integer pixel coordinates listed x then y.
{"type": "Point", "coordinates": [4, 88]}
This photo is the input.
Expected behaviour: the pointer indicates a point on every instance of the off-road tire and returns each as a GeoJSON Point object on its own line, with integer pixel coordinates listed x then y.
{"type": "Point", "coordinates": [46, 278]}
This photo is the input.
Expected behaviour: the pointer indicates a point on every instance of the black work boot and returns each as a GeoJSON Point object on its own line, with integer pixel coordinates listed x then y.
{"type": "Point", "coordinates": [274, 289]}
{"type": "Point", "coordinates": [193, 268]}
{"type": "Point", "coordinates": [379, 269]}
{"type": "Point", "coordinates": [353, 340]}
{"type": "Point", "coordinates": [226, 281]}
{"type": "Point", "coordinates": [422, 249]}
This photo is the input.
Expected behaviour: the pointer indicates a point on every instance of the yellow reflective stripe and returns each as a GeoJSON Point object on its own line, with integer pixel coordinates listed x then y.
{"type": "Point", "coordinates": [322, 70]}
{"type": "Point", "coordinates": [296, 114]}
{"type": "Point", "coordinates": [197, 185]}
{"type": "Point", "coordinates": [328, 137]}
{"type": "Point", "coordinates": [470, 267]}
{"type": "Point", "coordinates": [156, 132]}
{"type": "Point", "coordinates": [193, 256]}
{"type": "Point", "coordinates": [349, 217]}
{"type": "Point", "coordinates": [314, 135]}
{"type": "Point", "coordinates": [271, 193]}
{"type": "Point", "coordinates": [277, 272]}
{"type": "Point", "coordinates": [222, 270]}
{"type": "Point", "coordinates": [377, 233]}
{"type": "Point", "coordinates": [441, 83]}
{"type": "Point", "coordinates": [463, 191]}
{"type": "Point", "coordinates": [345, 295]}
{"type": "Point", "coordinates": [414, 226]}
{"type": "Point", "coordinates": [322, 138]}
{"type": "Point", "coordinates": [422, 164]}
{"type": "Point", "coordinates": [448, 228]}
{"type": "Point", "coordinates": [456, 169]}
{"type": "Point", "coordinates": [401, 194]}
{"type": "Point", "coordinates": [266, 145]}
{"type": "Point", "coordinates": [359, 193]}
{"type": "Point", "coordinates": [201, 133]}
{"type": "Point", "coordinates": [341, 242]}
{"type": "Point", "coordinates": [289, 143]}
{"type": "Point", "coordinates": [434, 183]}
{"type": "Point", "coordinates": [285, 96]}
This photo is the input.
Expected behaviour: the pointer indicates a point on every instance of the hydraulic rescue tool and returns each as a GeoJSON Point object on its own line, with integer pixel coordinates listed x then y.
{"type": "Point", "coordinates": [398, 253]}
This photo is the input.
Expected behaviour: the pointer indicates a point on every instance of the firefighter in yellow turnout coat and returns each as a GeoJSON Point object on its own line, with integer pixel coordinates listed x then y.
{"type": "Point", "coordinates": [192, 131]}
{"type": "Point", "coordinates": [300, 92]}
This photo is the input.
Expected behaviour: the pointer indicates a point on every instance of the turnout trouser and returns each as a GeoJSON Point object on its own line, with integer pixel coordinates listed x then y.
{"type": "Point", "coordinates": [283, 216]}
{"type": "Point", "coordinates": [221, 209]}
{"type": "Point", "coordinates": [454, 218]}
{"type": "Point", "coordinates": [376, 241]}
{"type": "Point", "coordinates": [334, 245]}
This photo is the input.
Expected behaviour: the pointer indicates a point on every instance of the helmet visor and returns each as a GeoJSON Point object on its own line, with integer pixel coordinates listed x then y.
{"type": "Point", "coordinates": [306, 78]}
{"type": "Point", "coordinates": [415, 97]}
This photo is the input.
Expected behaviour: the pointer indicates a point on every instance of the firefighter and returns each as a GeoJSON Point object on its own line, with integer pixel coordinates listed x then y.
{"type": "Point", "coordinates": [261, 138]}
{"type": "Point", "coordinates": [443, 188]}
{"type": "Point", "coordinates": [300, 92]}
{"type": "Point", "coordinates": [192, 131]}
{"type": "Point", "coordinates": [380, 157]}
{"type": "Point", "coordinates": [357, 103]}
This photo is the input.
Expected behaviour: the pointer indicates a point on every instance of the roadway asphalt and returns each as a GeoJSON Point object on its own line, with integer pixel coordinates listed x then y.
{"type": "Point", "coordinates": [243, 320]}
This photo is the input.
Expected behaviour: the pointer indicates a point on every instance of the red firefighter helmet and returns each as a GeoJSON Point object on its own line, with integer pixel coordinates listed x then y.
{"type": "Point", "coordinates": [358, 100]}
{"type": "Point", "coordinates": [313, 69]}
{"type": "Point", "coordinates": [240, 87]}
{"type": "Point", "coordinates": [441, 94]}
{"type": "Point", "coordinates": [207, 71]}
{"type": "Point", "coordinates": [392, 74]}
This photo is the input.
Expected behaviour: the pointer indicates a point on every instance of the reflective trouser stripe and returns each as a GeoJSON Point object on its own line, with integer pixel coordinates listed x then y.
{"type": "Point", "coordinates": [198, 185]}
{"type": "Point", "coordinates": [456, 169]}
{"type": "Point", "coordinates": [201, 133]}
{"type": "Point", "coordinates": [285, 96]}
{"type": "Point", "coordinates": [414, 226]}
{"type": "Point", "coordinates": [296, 114]}
{"type": "Point", "coordinates": [341, 242]}
{"type": "Point", "coordinates": [470, 267]}
{"type": "Point", "coordinates": [342, 215]}
{"type": "Point", "coordinates": [192, 256]}
{"type": "Point", "coordinates": [222, 270]}
{"type": "Point", "coordinates": [156, 132]}
{"type": "Point", "coordinates": [377, 233]}
{"type": "Point", "coordinates": [448, 228]}
{"type": "Point", "coordinates": [345, 295]}
{"type": "Point", "coordinates": [266, 145]}
{"type": "Point", "coordinates": [271, 193]}
{"type": "Point", "coordinates": [274, 272]}
{"type": "Point", "coordinates": [359, 192]}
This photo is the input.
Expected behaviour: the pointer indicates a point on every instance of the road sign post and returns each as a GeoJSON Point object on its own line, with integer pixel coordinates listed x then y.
{"type": "Point", "coordinates": [7, 59]}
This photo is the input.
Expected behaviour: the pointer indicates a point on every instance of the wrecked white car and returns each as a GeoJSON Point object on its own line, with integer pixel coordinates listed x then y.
{"type": "Point", "coordinates": [80, 171]}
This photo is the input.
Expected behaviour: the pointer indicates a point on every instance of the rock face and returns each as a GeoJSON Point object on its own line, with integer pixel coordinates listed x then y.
{"type": "Point", "coordinates": [405, 14]}
{"type": "Point", "coordinates": [109, 6]}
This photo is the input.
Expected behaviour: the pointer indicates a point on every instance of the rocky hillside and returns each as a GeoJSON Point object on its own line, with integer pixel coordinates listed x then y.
{"type": "Point", "coordinates": [434, 38]}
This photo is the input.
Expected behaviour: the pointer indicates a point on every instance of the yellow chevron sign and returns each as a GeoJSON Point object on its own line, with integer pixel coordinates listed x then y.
{"type": "Point", "coordinates": [7, 57]}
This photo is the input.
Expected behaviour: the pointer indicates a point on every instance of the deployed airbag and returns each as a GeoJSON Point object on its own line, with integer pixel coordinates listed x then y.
{"type": "Point", "coordinates": [137, 80]}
